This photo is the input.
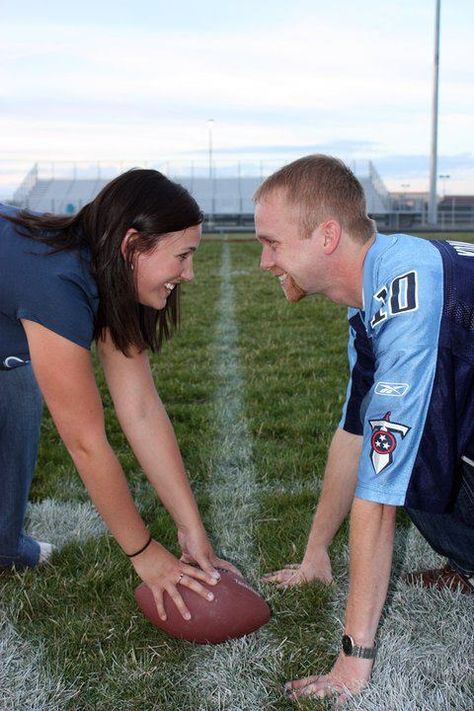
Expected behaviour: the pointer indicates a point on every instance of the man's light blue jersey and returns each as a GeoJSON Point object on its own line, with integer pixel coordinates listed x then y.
{"type": "Point", "coordinates": [411, 356]}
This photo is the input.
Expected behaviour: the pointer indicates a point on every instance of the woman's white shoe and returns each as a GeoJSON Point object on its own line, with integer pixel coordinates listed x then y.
{"type": "Point", "coordinates": [46, 551]}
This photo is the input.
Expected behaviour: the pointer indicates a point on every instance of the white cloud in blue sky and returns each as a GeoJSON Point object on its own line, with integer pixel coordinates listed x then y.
{"type": "Point", "coordinates": [138, 80]}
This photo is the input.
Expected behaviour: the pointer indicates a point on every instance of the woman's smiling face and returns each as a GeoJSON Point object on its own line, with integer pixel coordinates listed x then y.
{"type": "Point", "coordinates": [169, 263]}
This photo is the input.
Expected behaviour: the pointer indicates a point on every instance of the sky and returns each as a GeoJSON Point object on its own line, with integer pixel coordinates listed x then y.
{"type": "Point", "coordinates": [137, 82]}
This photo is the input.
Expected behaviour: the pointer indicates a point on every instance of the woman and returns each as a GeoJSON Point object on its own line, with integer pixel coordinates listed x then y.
{"type": "Point", "coordinates": [111, 274]}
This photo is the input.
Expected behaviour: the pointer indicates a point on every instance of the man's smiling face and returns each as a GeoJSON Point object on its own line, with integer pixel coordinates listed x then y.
{"type": "Point", "coordinates": [286, 253]}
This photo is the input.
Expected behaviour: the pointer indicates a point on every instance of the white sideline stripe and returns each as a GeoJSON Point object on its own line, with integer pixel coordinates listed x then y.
{"type": "Point", "coordinates": [232, 676]}
{"type": "Point", "coordinates": [278, 487]}
{"type": "Point", "coordinates": [424, 659]}
{"type": "Point", "coordinates": [233, 488]}
{"type": "Point", "coordinates": [59, 522]}
{"type": "Point", "coordinates": [26, 682]}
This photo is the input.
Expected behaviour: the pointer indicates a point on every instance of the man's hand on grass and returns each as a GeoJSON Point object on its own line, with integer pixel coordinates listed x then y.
{"type": "Point", "coordinates": [318, 568]}
{"type": "Point", "coordinates": [348, 676]}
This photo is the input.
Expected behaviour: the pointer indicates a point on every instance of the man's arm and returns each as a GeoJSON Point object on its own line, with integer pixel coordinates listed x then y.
{"type": "Point", "coordinates": [334, 504]}
{"type": "Point", "coordinates": [371, 546]}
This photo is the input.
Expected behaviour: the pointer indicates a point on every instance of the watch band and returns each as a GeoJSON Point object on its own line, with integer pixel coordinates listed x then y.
{"type": "Point", "coordinates": [351, 649]}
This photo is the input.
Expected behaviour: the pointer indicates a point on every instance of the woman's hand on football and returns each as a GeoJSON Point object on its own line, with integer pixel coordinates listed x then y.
{"type": "Point", "coordinates": [196, 549]}
{"type": "Point", "coordinates": [162, 572]}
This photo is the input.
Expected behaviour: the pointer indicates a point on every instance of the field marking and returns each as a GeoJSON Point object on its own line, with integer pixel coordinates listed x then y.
{"type": "Point", "coordinates": [26, 681]}
{"type": "Point", "coordinates": [233, 676]}
{"type": "Point", "coordinates": [424, 660]}
{"type": "Point", "coordinates": [233, 489]}
{"type": "Point", "coordinates": [59, 523]}
{"type": "Point", "coordinates": [278, 487]}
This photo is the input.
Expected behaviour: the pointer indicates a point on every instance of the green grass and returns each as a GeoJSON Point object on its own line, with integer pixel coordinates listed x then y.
{"type": "Point", "coordinates": [293, 362]}
{"type": "Point", "coordinates": [82, 607]}
{"type": "Point", "coordinates": [250, 236]}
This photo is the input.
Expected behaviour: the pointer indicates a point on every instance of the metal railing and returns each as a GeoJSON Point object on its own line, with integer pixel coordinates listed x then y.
{"type": "Point", "coordinates": [215, 193]}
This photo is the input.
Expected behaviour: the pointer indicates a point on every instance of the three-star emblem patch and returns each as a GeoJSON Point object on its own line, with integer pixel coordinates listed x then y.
{"type": "Point", "coordinates": [384, 441]}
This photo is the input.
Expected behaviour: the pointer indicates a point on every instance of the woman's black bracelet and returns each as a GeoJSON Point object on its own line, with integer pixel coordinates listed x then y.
{"type": "Point", "coordinates": [132, 555]}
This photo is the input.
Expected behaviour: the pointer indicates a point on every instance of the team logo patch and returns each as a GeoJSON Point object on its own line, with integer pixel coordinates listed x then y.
{"type": "Point", "coordinates": [384, 442]}
{"type": "Point", "coordinates": [391, 389]}
{"type": "Point", "coordinates": [13, 362]}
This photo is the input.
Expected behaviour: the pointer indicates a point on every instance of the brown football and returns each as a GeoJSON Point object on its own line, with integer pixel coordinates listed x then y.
{"type": "Point", "coordinates": [237, 609]}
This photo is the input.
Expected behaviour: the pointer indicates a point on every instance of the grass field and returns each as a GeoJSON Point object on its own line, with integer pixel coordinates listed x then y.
{"type": "Point", "coordinates": [250, 236]}
{"type": "Point", "coordinates": [254, 388]}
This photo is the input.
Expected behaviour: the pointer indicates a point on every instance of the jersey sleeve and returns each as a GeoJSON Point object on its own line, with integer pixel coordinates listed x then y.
{"type": "Point", "coordinates": [405, 340]}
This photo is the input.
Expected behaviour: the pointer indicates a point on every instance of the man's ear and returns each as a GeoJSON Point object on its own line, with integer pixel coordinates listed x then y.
{"type": "Point", "coordinates": [127, 240]}
{"type": "Point", "coordinates": [331, 233]}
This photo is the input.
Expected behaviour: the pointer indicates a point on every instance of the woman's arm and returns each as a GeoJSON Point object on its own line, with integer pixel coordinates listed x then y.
{"type": "Point", "coordinates": [65, 376]}
{"type": "Point", "coordinates": [148, 429]}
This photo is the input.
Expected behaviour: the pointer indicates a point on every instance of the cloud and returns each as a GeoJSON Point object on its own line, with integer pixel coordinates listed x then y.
{"type": "Point", "coordinates": [408, 165]}
{"type": "Point", "coordinates": [296, 81]}
{"type": "Point", "coordinates": [345, 147]}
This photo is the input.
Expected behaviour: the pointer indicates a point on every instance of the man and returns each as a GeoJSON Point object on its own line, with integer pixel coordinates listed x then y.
{"type": "Point", "coordinates": [406, 437]}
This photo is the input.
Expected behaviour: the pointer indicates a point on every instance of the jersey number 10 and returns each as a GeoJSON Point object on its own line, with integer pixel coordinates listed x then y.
{"type": "Point", "coordinates": [400, 296]}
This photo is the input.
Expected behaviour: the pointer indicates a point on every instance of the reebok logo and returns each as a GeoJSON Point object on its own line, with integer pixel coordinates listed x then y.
{"type": "Point", "coordinates": [391, 389]}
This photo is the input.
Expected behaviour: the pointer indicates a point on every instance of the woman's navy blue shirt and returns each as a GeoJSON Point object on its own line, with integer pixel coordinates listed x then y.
{"type": "Point", "coordinates": [56, 290]}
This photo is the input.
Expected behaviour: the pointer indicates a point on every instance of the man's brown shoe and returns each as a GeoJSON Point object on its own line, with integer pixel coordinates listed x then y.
{"type": "Point", "coordinates": [440, 578]}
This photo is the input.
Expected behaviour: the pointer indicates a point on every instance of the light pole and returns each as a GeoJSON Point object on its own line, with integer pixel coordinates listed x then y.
{"type": "Point", "coordinates": [210, 125]}
{"type": "Point", "coordinates": [432, 204]}
{"type": "Point", "coordinates": [443, 177]}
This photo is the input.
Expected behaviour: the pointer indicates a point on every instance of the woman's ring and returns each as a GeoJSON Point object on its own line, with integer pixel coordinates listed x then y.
{"type": "Point", "coordinates": [181, 576]}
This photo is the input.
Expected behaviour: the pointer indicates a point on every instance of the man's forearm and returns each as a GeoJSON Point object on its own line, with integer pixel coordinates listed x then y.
{"type": "Point", "coordinates": [371, 548]}
{"type": "Point", "coordinates": [371, 545]}
{"type": "Point", "coordinates": [337, 492]}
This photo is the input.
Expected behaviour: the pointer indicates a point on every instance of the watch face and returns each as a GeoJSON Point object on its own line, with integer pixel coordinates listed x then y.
{"type": "Point", "coordinates": [347, 644]}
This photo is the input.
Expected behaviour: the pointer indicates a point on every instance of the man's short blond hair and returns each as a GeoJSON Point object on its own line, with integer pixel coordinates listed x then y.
{"type": "Point", "coordinates": [322, 187]}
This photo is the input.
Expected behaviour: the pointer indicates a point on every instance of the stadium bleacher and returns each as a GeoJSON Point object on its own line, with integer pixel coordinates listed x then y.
{"type": "Point", "coordinates": [216, 195]}
{"type": "Point", "coordinates": [225, 196]}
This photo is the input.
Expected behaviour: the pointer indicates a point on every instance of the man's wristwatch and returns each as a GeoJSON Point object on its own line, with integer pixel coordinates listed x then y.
{"type": "Point", "coordinates": [351, 649]}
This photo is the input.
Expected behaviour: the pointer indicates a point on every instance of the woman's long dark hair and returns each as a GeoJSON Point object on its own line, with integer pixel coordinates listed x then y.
{"type": "Point", "coordinates": [143, 200]}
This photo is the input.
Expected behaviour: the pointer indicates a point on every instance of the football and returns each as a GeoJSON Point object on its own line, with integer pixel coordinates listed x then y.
{"type": "Point", "coordinates": [237, 610]}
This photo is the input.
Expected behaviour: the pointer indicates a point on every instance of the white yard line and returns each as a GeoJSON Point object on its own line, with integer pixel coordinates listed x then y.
{"type": "Point", "coordinates": [424, 660]}
{"type": "Point", "coordinates": [233, 676]}
{"type": "Point", "coordinates": [60, 522]}
{"type": "Point", "coordinates": [26, 680]}
{"type": "Point", "coordinates": [233, 489]}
